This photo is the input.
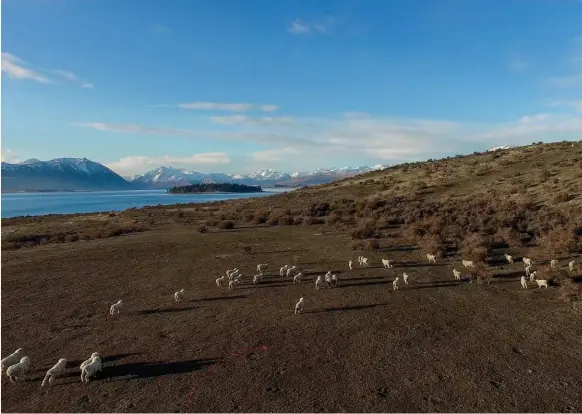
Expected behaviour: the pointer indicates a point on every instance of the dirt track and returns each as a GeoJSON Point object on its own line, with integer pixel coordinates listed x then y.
{"type": "Point", "coordinates": [435, 345]}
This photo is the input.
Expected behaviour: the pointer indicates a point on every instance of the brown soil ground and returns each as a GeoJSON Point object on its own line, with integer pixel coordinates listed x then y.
{"type": "Point", "coordinates": [434, 345]}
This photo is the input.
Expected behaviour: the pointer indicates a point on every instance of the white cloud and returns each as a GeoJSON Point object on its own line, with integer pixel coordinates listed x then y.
{"type": "Point", "coordinates": [138, 163]}
{"type": "Point", "coordinates": [14, 68]}
{"type": "Point", "coordinates": [246, 120]}
{"type": "Point", "coordinates": [298, 27]}
{"type": "Point", "coordinates": [216, 106]}
{"type": "Point", "coordinates": [572, 104]}
{"type": "Point", "coordinates": [274, 155]}
{"type": "Point", "coordinates": [324, 25]}
{"type": "Point", "coordinates": [9, 156]}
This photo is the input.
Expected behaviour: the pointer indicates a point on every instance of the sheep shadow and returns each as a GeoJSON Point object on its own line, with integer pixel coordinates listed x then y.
{"type": "Point", "coordinates": [222, 298]}
{"type": "Point", "coordinates": [343, 284]}
{"type": "Point", "coordinates": [497, 261]}
{"type": "Point", "coordinates": [154, 369]}
{"type": "Point", "coordinates": [421, 264]}
{"type": "Point", "coordinates": [262, 285]}
{"type": "Point", "coordinates": [166, 310]}
{"type": "Point", "coordinates": [510, 275]}
{"type": "Point", "coordinates": [73, 370]}
{"type": "Point", "coordinates": [398, 249]}
{"type": "Point", "coordinates": [347, 308]}
{"type": "Point", "coordinates": [432, 285]}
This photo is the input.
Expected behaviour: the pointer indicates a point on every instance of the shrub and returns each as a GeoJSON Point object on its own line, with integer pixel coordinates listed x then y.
{"type": "Point", "coordinates": [259, 219]}
{"type": "Point", "coordinates": [203, 229]}
{"type": "Point", "coordinates": [373, 244]}
{"type": "Point", "coordinates": [557, 241]}
{"type": "Point", "coordinates": [562, 197]}
{"type": "Point", "coordinates": [272, 222]}
{"type": "Point", "coordinates": [367, 231]}
{"type": "Point", "coordinates": [226, 225]}
{"type": "Point", "coordinates": [71, 238]}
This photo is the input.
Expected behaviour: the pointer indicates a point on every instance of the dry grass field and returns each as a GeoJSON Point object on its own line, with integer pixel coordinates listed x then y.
{"type": "Point", "coordinates": [481, 344]}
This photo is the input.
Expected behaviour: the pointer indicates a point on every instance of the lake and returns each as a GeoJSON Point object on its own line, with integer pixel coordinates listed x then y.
{"type": "Point", "coordinates": [37, 204]}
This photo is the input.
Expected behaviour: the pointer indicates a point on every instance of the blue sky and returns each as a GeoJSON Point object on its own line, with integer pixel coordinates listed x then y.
{"type": "Point", "coordinates": [234, 86]}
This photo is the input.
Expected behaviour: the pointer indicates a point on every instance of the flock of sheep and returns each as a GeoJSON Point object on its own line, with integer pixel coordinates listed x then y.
{"type": "Point", "coordinates": [17, 363]}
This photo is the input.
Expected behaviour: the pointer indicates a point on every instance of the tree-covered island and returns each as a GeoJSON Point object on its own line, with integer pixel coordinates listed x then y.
{"type": "Point", "coordinates": [216, 188]}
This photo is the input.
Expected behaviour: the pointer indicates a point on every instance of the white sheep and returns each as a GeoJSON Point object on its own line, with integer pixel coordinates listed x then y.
{"type": "Point", "coordinates": [431, 258]}
{"type": "Point", "coordinates": [179, 295]}
{"type": "Point", "coordinates": [509, 258]}
{"type": "Point", "coordinates": [115, 307]}
{"type": "Point", "coordinates": [334, 280]}
{"type": "Point", "coordinates": [395, 284]}
{"type": "Point", "coordinates": [405, 278]}
{"type": "Point", "coordinates": [299, 306]}
{"type": "Point", "coordinates": [527, 261]}
{"type": "Point", "coordinates": [365, 261]}
{"type": "Point", "coordinates": [318, 282]}
{"type": "Point", "coordinates": [532, 276]}
{"type": "Point", "coordinates": [257, 278]}
{"type": "Point", "coordinates": [228, 272]}
{"type": "Point", "coordinates": [468, 263]}
{"type": "Point", "coordinates": [234, 275]}
{"type": "Point", "coordinates": [351, 264]}
{"type": "Point", "coordinates": [328, 280]}
{"type": "Point", "coordinates": [90, 369]}
{"type": "Point", "coordinates": [261, 267]}
{"type": "Point", "coordinates": [88, 361]}
{"type": "Point", "coordinates": [554, 263]}
{"type": "Point", "coordinates": [54, 372]}
{"type": "Point", "coordinates": [233, 283]}
{"type": "Point", "coordinates": [572, 265]}
{"type": "Point", "coordinates": [360, 260]}
{"type": "Point", "coordinates": [220, 281]}
{"type": "Point", "coordinates": [283, 270]}
{"type": "Point", "coordinates": [291, 270]}
{"type": "Point", "coordinates": [12, 359]}
{"type": "Point", "coordinates": [542, 283]}
{"type": "Point", "coordinates": [456, 274]}
{"type": "Point", "coordinates": [17, 370]}
{"type": "Point", "coordinates": [385, 263]}
{"type": "Point", "coordinates": [297, 277]}
{"type": "Point", "coordinates": [523, 282]}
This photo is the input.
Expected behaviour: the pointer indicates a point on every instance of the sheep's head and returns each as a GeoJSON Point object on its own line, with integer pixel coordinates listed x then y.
{"type": "Point", "coordinates": [95, 354]}
{"type": "Point", "coordinates": [25, 360]}
{"type": "Point", "coordinates": [301, 300]}
{"type": "Point", "coordinates": [19, 351]}
{"type": "Point", "coordinates": [62, 361]}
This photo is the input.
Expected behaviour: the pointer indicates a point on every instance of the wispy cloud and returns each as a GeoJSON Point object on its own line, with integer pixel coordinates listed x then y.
{"type": "Point", "coordinates": [517, 64]}
{"type": "Point", "coordinates": [15, 68]}
{"type": "Point", "coordinates": [9, 156]}
{"type": "Point", "coordinates": [274, 155]}
{"type": "Point", "coordinates": [235, 107]}
{"type": "Point", "coordinates": [567, 81]}
{"type": "Point", "coordinates": [572, 104]}
{"type": "Point", "coordinates": [160, 28]}
{"type": "Point", "coordinates": [572, 79]}
{"type": "Point", "coordinates": [139, 163]}
{"type": "Point", "coordinates": [324, 25]}
{"type": "Point", "coordinates": [246, 120]}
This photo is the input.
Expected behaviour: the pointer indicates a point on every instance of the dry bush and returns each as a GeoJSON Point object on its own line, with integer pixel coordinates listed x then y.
{"type": "Point", "coordinates": [259, 218]}
{"type": "Point", "coordinates": [272, 222]}
{"type": "Point", "coordinates": [570, 291]}
{"type": "Point", "coordinates": [226, 225]}
{"type": "Point", "coordinates": [203, 229]}
{"type": "Point", "coordinates": [431, 244]}
{"type": "Point", "coordinates": [372, 244]}
{"type": "Point", "coordinates": [558, 241]}
{"type": "Point", "coordinates": [367, 231]}
{"type": "Point", "coordinates": [562, 197]}
{"type": "Point", "coordinates": [358, 245]}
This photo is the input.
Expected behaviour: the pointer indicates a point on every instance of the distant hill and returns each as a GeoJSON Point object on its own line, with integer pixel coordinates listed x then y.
{"type": "Point", "coordinates": [61, 174]}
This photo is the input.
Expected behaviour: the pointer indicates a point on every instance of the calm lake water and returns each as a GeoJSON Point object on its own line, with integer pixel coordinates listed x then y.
{"type": "Point", "coordinates": [37, 204]}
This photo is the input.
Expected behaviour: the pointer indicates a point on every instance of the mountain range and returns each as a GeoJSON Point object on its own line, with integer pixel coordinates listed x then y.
{"type": "Point", "coordinates": [81, 174]}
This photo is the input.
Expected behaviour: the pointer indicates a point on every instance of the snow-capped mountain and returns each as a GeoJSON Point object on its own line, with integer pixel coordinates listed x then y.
{"type": "Point", "coordinates": [60, 174]}
{"type": "Point", "coordinates": [164, 177]}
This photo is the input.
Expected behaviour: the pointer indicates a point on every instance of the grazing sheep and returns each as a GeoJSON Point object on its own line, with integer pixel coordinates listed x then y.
{"type": "Point", "coordinates": [405, 278]}
{"type": "Point", "coordinates": [299, 306]}
{"type": "Point", "coordinates": [527, 261]}
{"type": "Point", "coordinates": [291, 270]}
{"type": "Point", "coordinates": [12, 359]}
{"type": "Point", "coordinates": [115, 307]}
{"type": "Point", "coordinates": [386, 263]}
{"type": "Point", "coordinates": [334, 280]}
{"type": "Point", "coordinates": [365, 261]}
{"type": "Point", "coordinates": [350, 264]}
{"type": "Point", "coordinates": [523, 282]}
{"type": "Point", "coordinates": [572, 265]}
{"type": "Point", "coordinates": [554, 263]}
{"type": "Point", "coordinates": [527, 270]}
{"type": "Point", "coordinates": [468, 263]}
{"type": "Point", "coordinates": [297, 277]}
{"type": "Point", "coordinates": [542, 283]}
{"type": "Point", "coordinates": [88, 361]}
{"type": "Point", "coordinates": [360, 259]}
{"type": "Point", "coordinates": [318, 282]}
{"type": "Point", "coordinates": [234, 275]}
{"type": "Point", "coordinates": [328, 279]}
{"type": "Point", "coordinates": [261, 267]}
{"type": "Point", "coordinates": [395, 284]}
{"type": "Point", "coordinates": [228, 272]}
{"type": "Point", "coordinates": [90, 369]}
{"type": "Point", "coordinates": [17, 370]}
{"type": "Point", "coordinates": [431, 258]}
{"type": "Point", "coordinates": [257, 278]}
{"type": "Point", "coordinates": [456, 274]}
{"type": "Point", "coordinates": [179, 295]}
{"type": "Point", "coordinates": [532, 276]}
{"type": "Point", "coordinates": [233, 283]}
{"type": "Point", "coordinates": [54, 372]}
{"type": "Point", "coordinates": [509, 258]}
{"type": "Point", "coordinates": [283, 270]}
{"type": "Point", "coordinates": [220, 281]}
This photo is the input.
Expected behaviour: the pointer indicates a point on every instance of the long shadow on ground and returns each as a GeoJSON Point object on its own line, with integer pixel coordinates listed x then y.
{"type": "Point", "coordinates": [156, 369]}
{"type": "Point", "coordinates": [222, 298]}
{"type": "Point", "coordinates": [347, 308]}
{"type": "Point", "coordinates": [166, 310]}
